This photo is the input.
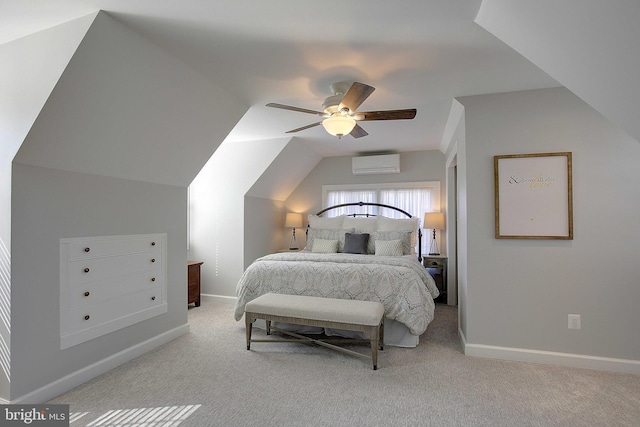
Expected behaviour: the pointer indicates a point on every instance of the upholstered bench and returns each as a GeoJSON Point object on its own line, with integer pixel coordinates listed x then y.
{"type": "Point", "coordinates": [351, 315]}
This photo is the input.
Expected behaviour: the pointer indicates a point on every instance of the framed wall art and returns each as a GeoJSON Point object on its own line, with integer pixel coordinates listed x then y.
{"type": "Point", "coordinates": [533, 196]}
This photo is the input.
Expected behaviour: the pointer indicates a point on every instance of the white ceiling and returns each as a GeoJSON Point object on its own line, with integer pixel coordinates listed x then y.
{"type": "Point", "coordinates": [416, 53]}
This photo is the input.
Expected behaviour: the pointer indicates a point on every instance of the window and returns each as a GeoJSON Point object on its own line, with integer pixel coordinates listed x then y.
{"type": "Point", "coordinates": [415, 198]}
{"type": "Point", "coordinates": [339, 197]}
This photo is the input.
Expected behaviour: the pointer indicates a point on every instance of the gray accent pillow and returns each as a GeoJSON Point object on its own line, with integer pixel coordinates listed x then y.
{"type": "Point", "coordinates": [356, 243]}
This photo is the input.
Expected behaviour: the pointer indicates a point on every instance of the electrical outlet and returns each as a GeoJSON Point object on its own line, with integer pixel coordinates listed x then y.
{"type": "Point", "coordinates": [574, 321]}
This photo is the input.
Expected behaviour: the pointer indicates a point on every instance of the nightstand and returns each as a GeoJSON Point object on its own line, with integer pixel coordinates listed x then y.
{"type": "Point", "coordinates": [193, 282]}
{"type": "Point", "coordinates": [436, 265]}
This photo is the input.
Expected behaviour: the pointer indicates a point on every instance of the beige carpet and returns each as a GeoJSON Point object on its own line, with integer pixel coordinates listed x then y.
{"type": "Point", "coordinates": [208, 378]}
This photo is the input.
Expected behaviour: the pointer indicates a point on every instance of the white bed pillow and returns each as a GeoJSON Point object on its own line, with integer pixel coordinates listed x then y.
{"type": "Point", "coordinates": [397, 224]}
{"type": "Point", "coordinates": [324, 246]}
{"type": "Point", "coordinates": [327, 234]}
{"type": "Point", "coordinates": [361, 224]}
{"type": "Point", "coordinates": [389, 247]}
{"type": "Point", "coordinates": [403, 236]}
{"type": "Point", "coordinates": [316, 221]}
{"type": "Point", "coordinates": [401, 224]}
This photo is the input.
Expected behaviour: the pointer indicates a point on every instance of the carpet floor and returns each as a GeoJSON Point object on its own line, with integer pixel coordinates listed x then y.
{"type": "Point", "coordinates": [208, 378]}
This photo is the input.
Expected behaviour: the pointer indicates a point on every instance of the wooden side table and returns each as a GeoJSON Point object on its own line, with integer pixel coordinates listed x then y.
{"type": "Point", "coordinates": [193, 282]}
{"type": "Point", "coordinates": [439, 263]}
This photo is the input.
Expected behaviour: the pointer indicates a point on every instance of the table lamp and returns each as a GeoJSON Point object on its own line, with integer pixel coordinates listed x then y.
{"type": "Point", "coordinates": [434, 221]}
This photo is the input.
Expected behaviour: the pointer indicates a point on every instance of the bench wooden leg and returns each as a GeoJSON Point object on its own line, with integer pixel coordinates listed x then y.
{"type": "Point", "coordinates": [249, 324]}
{"type": "Point", "coordinates": [375, 336]}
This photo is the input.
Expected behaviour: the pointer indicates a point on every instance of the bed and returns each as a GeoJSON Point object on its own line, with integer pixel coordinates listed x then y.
{"type": "Point", "coordinates": [339, 261]}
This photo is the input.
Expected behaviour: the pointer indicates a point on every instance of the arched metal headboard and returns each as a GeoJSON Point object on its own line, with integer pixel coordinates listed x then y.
{"type": "Point", "coordinates": [380, 205]}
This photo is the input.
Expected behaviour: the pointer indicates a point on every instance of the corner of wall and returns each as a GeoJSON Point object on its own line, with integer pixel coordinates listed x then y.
{"type": "Point", "coordinates": [456, 113]}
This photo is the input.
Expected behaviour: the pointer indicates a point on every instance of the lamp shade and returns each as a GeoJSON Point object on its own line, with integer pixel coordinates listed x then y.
{"type": "Point", "coordinates": [339, 125]}
{"type": "Point", "coordinates": [434, 220]}
{"type": "Point", "coordinates": [293, 220]}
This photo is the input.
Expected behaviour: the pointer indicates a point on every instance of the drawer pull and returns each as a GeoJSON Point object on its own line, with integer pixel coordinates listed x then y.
{"type": "Point", "coordinates": [153, 298]}
{"type": "Point", "coordinates": [87, 249]}
{"type": "Point", "coordinates": [153, 260]}
{"type": "Point", "coordinates": [153, 279]}
{"type": "Point", "coordinates": [87, 293]}
{"type": "Point", "coordinates": [86, 270]}
{"type": "Point", "coordinates": [87, 317]}
{"type": "Point", "coordinates": [153, 243]}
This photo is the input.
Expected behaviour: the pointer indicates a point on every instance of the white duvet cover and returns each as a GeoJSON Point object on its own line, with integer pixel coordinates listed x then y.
{"type": "Point", "coordinates": [401, 283]}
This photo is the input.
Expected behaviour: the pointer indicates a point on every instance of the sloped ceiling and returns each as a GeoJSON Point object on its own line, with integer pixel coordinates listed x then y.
{"type": "Point", "coordinates": [421, 54]}
{"type": "Point", "coordinates": [589, 46]}
{"type": "Point", "coordinates": [125, 108]}
{"type": "Point", "coordinates": [31, 67]}
{"type": "Point", "coordinates": [417, 53]}
{"type": "Point", "coordinates": [285, 172]}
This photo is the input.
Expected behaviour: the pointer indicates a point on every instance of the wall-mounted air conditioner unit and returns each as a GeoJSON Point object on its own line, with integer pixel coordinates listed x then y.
{"type": "Point", "coordinates": [368, 165]}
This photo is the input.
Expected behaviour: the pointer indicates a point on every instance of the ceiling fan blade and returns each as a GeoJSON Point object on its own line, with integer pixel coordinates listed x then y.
{"type": "Point", "coordinates": [298, 109]}
{"type": "Point", "coordinates": [358, 132]}
{"type": "Point", "coordinates": [355, 96]}
{"type": "Point", "coordinates": [304, 127]}
{"type": "Point", "coordinates": [388, 115]}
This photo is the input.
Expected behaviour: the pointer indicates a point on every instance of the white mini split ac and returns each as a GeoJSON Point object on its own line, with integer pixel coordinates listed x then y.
{"type": "Point", "coordinates": [369, 165]}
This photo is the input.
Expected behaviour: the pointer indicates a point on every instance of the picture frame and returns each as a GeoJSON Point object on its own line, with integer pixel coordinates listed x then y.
{"type": "Point", "coordinates": [533, 196]}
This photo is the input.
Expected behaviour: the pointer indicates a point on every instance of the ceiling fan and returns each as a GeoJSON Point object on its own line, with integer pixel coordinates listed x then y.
{"type": "Point", "coordinates": [339, 111]}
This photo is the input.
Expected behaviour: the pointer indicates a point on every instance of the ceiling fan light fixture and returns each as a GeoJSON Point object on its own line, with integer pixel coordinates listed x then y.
{"type": "Point", "coordinates": [339, 125]}
{"type": "Point", "coordinates": [340, 111]}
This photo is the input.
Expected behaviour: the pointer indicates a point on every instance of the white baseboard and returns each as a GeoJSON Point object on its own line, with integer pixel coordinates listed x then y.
{"type": "Point", "coordinates": [551, 358]}
{"type": "Point", "coordinates": [83, 375]}
{"type": "Point", "coordinates": [219, 298]}
{"type": "Point", "coordinates": [463, 339]}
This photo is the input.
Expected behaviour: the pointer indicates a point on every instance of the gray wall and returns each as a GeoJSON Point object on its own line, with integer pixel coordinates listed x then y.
{"type": "Point", "coordinates": [519, 292]}
{"type": "Point", "coordinates": [217, 214]}
{"type": "Point", "coordinates": [48, 205]}
{"type": "Point", "coordinates": [456, 212]}
{"type": "Point", "coordinates": [125, 130]}
{"type": "Point", "coordinates": [264, 228]}
{"type": "Point", "coordinates": [236, 206]}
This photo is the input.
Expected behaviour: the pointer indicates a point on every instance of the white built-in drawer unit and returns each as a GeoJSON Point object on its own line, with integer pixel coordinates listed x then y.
{"type": "Point", "coordinates": [108, 283]}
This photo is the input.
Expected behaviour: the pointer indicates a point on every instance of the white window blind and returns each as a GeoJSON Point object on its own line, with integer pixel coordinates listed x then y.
{"type": "Point", "coordinates": [338, 197]}
{"type": "Point", "coordinates": [415, 201]}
